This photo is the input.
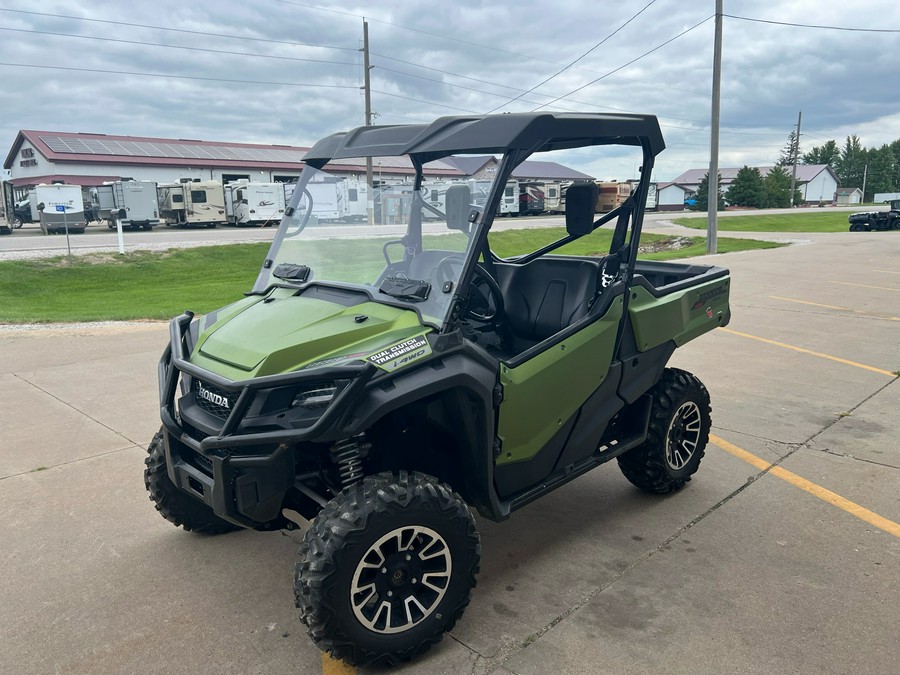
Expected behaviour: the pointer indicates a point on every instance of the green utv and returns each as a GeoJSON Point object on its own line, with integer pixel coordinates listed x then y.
{"type": "Point", "coordinates": [381, 380]}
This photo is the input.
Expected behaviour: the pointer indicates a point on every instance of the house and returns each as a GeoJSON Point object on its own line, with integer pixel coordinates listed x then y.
{"type": "Point", "coordinates": [671, 196]}
{"type": "Point", "coordinates": [817, 182]}
{"type": "Point", "coordinates": [847, 196]}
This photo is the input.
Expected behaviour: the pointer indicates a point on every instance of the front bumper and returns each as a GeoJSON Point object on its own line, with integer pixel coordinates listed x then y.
{"type": "Point", "coordinates": [243, 476]}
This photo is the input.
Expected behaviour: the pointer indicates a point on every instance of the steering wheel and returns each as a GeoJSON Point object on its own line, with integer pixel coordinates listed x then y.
{"type": "Point", "coordinates": [482, 277]}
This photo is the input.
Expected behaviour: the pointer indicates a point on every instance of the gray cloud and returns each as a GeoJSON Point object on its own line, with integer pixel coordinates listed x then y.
{"type": "Point", "coordinates": [843, 82]}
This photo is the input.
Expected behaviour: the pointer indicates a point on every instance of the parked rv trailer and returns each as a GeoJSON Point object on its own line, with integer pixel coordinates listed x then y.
{"type": "Point", "coordinates": [341, 200]}
{"type": "Point", "coordinates": [434, 194]}
{"type": "Point", "coordinates": [555, 196]}
{"type": "Point", "coordinates": [259, 204]}
{"type": "Point", "coordinates": [531, 198]}
{"type": "Point", "coordinates": [60, 208]}
{"type": "Point", "coordinates": [192, 203]}
{"type": "Point", "coordinates": [509, 204]}
{"type": "Point", "coordinates": [393, 203]}
{"type": "Point", "coordinates": [652, 197]}
{"type": "Point", "coordinates": [612, 195]}
{"type": "Point", "coordinates": [131, 202]}
{"type": "Point", "coordinates": [479, 189]}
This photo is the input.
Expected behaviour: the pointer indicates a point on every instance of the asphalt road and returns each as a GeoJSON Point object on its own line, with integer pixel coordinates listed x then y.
{"type": "Point", "coordinates": [752, 568]}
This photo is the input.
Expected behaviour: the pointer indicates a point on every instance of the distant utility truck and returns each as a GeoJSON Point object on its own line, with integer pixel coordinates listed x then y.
{"type": "Point", "coordinates": [868, 221]}
{"type": "Point", "coordinates": [192, 203]}
{"type": "Point", "coordinates": [131, 202]}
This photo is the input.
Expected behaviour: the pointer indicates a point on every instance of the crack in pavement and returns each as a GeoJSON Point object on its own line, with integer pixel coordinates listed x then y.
{"type": "Point", "coordinates": [72, 461]}
{"type": "Point", "coordinates": [840, 313]}
{"type": "Point", "coordinates": [131, 443]}
{"type": "Point", "coordinates": [827, 451]}
{"type": "Point", "coordinates": [79, 411]}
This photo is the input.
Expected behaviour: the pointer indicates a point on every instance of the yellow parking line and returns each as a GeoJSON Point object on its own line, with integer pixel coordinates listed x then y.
{"type": "Point", "coordinates": [812, 353]}
{"type": "Point", "coordinates": [824, 494]}
{"type": "Point", "coordinates": [843, 309]}
{"type": "Point", "coordinates": [332, 666]}
{"type": "Point", "coordinates": [880, 288]}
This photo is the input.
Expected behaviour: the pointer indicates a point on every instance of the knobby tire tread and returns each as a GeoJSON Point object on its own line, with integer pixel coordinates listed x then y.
{"type": "Point", "coordinates": [645, 466]}
{"type": "Point", "coordinates": [342, 520]}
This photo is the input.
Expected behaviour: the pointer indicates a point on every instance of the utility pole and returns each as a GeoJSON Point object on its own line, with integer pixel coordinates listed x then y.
{"type": "Point", "coordinates": [795, 151]}
{"type": "Point", "coordinates": [713, 185]}
{"type": "Point", "coordinates": [865, 175]}
{"type": "Point", "coordinates": [370, 192]}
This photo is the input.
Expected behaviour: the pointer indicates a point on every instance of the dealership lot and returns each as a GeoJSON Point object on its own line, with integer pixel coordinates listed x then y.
{"type": "Point", "coordinates": [794, 569]}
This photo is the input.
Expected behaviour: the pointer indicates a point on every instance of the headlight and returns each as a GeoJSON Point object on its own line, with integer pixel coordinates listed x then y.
{"type": "Point", "coordinates": [315, 398]}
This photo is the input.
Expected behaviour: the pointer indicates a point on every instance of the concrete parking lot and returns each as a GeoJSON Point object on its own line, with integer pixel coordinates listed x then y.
{"type": "Point", "coordinates": [750, 569]}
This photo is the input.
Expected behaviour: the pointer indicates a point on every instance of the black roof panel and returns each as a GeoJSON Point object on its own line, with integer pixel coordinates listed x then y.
{"type": "Point", "coordinates": [488, 134]}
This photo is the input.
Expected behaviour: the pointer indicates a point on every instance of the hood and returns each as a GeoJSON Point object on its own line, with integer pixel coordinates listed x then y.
{"type": "Point", "coordinates": [284, 332]}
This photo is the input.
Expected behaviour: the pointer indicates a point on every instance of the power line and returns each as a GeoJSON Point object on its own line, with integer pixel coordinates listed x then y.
{"type": "Point", "coordinates": [178, 77]}
{"type": "Point", "coordinates": [415, 30]}
{"type": "Point", "coordinates": [566, 67]}
{"type": "Point", "coordinates": [584, 86]}
{"type": "Point", "coordinates": [176, 30]}
{"type": "Point", "coordinates": [530, 57]}
{"type": "Point", "coordinates": [420, 100]}
{"type": "Point", "coordinates": [195, 49]}
{"type": "Point", "coordinates": [809, 25]}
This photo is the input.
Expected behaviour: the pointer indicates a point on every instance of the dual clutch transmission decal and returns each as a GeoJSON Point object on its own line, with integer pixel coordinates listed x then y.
{"type": "Point", "coordinates": [401, 354]}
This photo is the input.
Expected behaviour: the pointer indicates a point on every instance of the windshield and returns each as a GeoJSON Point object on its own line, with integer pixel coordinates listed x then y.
{"type": "Point", "coordinates": [400, 245]}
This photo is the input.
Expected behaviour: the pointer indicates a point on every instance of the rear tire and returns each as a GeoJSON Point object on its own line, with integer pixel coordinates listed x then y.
{"type": "Point", "coordinates": [677, 435]}
{"type": "Point", "coordinates": [386, 568]}
{"type": "Point", "coordinates": [173, 504]}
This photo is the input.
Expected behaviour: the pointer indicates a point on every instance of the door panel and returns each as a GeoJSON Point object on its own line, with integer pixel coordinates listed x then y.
{"type": "Point", "coordinates": [542, 394]}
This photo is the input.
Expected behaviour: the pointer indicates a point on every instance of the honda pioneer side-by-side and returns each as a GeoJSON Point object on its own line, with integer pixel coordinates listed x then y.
{"type": "Point", "coordinates": [382, 386]}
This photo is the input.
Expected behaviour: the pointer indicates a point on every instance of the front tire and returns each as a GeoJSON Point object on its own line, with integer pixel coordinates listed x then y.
{"type": "Point", "coordinates": [173, 504]}
{"type": "Point", "coordinates": [677, 435]}
{"type": "Point", "coordinates": [386, 568]}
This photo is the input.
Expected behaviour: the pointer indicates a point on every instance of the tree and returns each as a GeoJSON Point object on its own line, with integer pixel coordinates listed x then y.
{"type": "Point", "coordinates": [851, 164]}
{"type": "Point", "coordinates": [895, 149]}
{"type": "Point", "coordinates": [880, 176]}
{"type": "Point", "coordinates": [826, 154]}
{"type": "Point", "coordinates": [747, 189]}
{"type": "Point", "coordinates": [777, 189]}
{"type": "Point", "coordinates": [702, 194]}
{"type": "Point", "coordinates": [791, 150]}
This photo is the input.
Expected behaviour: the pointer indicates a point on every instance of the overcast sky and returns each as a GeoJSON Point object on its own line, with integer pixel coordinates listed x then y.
{"type": "Point", "coordinates": [294, 74]}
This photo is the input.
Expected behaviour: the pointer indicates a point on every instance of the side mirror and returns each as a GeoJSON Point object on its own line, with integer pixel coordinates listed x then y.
{"type": "Point", "coordinates": [457, 206]}
{"type": "Point", "coordinates": [581, 203]}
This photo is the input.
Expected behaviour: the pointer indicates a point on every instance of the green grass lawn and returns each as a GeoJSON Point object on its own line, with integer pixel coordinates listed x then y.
{"type": "Point", "coordinates": [159, 285]}
{"type": "Point", "coordinates": [803, 221]}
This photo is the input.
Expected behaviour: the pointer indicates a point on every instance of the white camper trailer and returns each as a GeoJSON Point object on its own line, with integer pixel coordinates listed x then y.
{"type": "Point", "coordinates": [192, 203]}
{"type": "Point", "coordinates": [249, 203]}
{"type": "Point", "coordinates": [60, 208]}
{"type": "Point", "coordinates": [434, 194]}
{"type": "Point", "coordinates": [509, 203]}
{"type": "Point", "coordinates": [341, 200]}
{"type": "Point", "coordinates": [132, 202]}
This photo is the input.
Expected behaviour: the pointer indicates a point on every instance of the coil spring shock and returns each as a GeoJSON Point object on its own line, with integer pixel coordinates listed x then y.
{"type": "Point", "coordinates": [348, 454]}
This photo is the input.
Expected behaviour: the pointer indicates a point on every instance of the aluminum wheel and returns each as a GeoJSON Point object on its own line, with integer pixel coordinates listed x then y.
{"type": "Point", "coordinates": [401, 579]}
{"type": "Point", "coordinates": [683, 435]}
